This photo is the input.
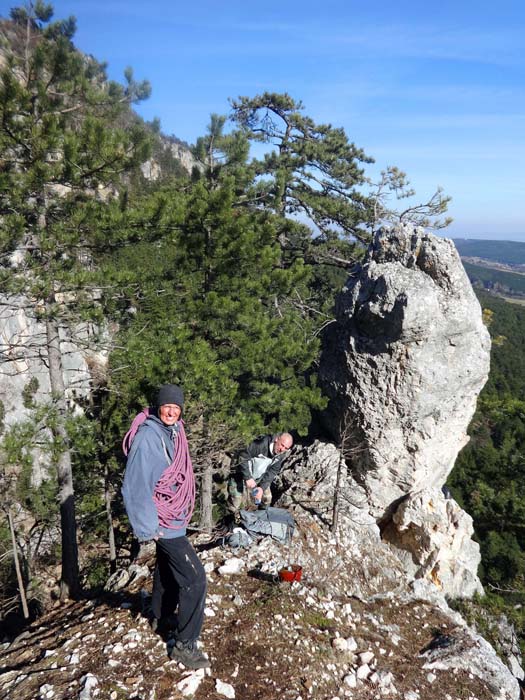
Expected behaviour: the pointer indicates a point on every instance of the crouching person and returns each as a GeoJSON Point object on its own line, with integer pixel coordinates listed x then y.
{"type": "Point", "coordinates": [258, 465]}
{"type": "Point", "coordinates": [159, 495]}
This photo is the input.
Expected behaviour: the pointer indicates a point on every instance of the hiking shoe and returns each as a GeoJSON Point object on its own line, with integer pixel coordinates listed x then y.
{"type": "Point", "coordinates": [189, 655]}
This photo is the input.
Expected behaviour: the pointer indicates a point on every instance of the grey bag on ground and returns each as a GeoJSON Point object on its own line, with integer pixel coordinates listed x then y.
{"type": "Point", "coordinates": [276, 522]}
{"type": "Point", "coordinates": [239, 539]}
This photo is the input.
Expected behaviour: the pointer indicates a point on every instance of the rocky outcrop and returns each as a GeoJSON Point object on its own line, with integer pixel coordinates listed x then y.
{"type": "Point", "coordinates": [23, 366]}
{"type": "Point", "coordinates": [428, 556]}
{"type": "Point", "coordinates": [403, 365]}
{"type": "Point", "coordinates": [432, 536]}
{"type": "Point", "coordinates": [508, 644]}
{"type": "Point", "coordinates": [184, 155]}
{"type": "Point", "coordinates": [350, 556]}
{"type": "Point", "coordinates": [169, 149]}
{"type": "Point", "coordinates": [348, 549]}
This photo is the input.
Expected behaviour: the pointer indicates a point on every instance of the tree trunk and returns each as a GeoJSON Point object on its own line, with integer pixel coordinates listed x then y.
{"type": "Point", "coordinates": [206, 519]}
{"type": "Point", "coordinates": [335, 506]}
{"type": "Point", "coordinates": [109, 516]}
{"type": "Point", "coordinates": [69, 581]}
{"type": "Point", "coordinates": [17, 566]}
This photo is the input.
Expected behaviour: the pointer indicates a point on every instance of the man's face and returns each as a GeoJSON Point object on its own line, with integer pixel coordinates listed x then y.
{"type": "Point", "coordinates": [169, 413]}
{"type": "Point", "coordinates": [282, 443]}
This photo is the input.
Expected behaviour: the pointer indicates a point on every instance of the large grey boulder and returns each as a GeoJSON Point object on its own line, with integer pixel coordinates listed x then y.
{"type": "Point", "coordinates": [403, 365]}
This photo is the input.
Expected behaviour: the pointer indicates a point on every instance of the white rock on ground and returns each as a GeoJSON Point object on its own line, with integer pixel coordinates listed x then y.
{"type": "Point", "coordinates": [350, 680]}
{"type": "Point", "coordinates": [351, 644]}
{"type": "Point", "coordinates": [224, 689]}
{"type": "Point", "coordinates": [190, 683]}
{"type": "Point", "coordinates": [365, 657]}
{"type": "Point", "coordinates": [88, 684]}
{"type": "Point", "coordinates": [411, 695]}
{"type": "Point", "coordinates": [233, 565]}
{"type": "Point", "coordinates": [340, 644]}
{"type": "Point", "coordinates": [363, 672]}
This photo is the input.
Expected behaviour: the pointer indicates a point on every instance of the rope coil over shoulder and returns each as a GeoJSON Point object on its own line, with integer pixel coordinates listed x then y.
{"type": "Point", "coordinates": [174, 494]}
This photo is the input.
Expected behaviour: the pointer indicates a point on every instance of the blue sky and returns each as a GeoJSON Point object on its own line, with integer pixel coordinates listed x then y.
{"type": "Point", "coordinates": [437, 89]}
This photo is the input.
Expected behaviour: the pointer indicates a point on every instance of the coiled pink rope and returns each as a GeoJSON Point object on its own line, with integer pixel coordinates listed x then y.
{"type": "Point", "coordinates": [135, 425]}
{"type": "Point", "coordinates": [171, 504]}
{"type": "Point", "coordinates": [178, 504]}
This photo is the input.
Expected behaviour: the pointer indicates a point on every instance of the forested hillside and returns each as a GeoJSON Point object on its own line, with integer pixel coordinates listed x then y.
{"type": "Point", "coordinates": [222, 280]}
{"type": "Point", "coordinates": [501, 282]}
{"type": "Point", "coordinates": [488, 473]}
{"type": "Point", "coordinates": [505, 252]}
{"type": "Point", "coordinates": [488, 477]}
{"type": "Point", "coordinates": [497, 266]}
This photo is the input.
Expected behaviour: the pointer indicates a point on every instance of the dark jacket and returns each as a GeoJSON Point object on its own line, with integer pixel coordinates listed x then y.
{"type": "Point", "coordinates": [258, 462]}
{"type": "Point", "coordinates": [150, 455]}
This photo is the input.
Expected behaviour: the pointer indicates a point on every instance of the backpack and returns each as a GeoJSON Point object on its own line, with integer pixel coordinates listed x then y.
{"type": "Point", "coordinates": [276, 522]}
{"type": "Point", "coordinates": [239, 539]}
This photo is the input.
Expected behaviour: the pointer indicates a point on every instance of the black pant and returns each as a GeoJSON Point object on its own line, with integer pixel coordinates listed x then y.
{"type": "Point", "coordinates": [179, 579]}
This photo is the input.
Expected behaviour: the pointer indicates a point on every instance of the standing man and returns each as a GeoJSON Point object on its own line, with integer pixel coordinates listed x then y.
{"type": "Point", "coordinates": [258, 465]}
{"type": "Point", "coordinates": [159, 495]}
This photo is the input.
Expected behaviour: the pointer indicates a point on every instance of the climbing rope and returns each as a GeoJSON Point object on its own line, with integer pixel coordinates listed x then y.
{"type": "Point", "coordinates": [174, 494]}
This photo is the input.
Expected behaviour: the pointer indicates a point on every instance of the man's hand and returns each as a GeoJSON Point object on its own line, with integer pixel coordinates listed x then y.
{"type": "Point", "coordinates": [251, 483]}
{"type": "Point", "coordinates": [257, 494]}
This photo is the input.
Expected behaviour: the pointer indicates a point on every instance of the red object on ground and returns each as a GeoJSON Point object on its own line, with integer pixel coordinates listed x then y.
{"type": "Point", "coordinates": [291, 574]}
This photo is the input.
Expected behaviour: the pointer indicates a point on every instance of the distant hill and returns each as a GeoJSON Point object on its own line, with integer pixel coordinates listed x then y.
{"type": "Point", "coordinates": [497, 281]}
{"type": "Point", "coordinates": [505, 252]}
{"type": "Point", "coordinates": [497, 266]}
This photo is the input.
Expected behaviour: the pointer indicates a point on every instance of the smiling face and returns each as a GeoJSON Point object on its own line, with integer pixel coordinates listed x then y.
{"type": "Point", "coordinates": [169, 413]}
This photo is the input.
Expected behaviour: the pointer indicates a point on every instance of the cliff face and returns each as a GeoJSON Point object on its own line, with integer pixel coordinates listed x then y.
{"type": "Point", "coordinates": [154, 169]}
{"type": "Point", "coordinates": [23, 359]}
{"type": "Point", "coordinates": [403, 366]}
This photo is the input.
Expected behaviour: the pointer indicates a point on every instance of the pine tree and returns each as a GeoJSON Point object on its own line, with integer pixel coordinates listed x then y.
{"type": "Point", "coordinates": [66, 139]}
{"type": "Point", "coordinates": [311, 171]}
{"type": "Point", "coordinates": [217, 309]}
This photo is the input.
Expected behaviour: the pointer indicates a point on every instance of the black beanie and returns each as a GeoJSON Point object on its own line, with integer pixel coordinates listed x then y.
{"type": "Point", "coordinates": [170, 393]}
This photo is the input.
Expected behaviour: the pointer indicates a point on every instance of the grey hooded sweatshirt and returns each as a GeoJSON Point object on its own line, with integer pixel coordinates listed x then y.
{"type": "Point", "coordinates": [150, 455]}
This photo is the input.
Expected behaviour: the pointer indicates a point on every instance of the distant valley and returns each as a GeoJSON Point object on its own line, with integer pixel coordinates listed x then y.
{"type": "Point", "coordinates": [497, 266]}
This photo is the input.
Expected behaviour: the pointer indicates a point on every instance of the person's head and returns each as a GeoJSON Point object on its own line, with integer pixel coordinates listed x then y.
{"type": "Point", "coordinates": [282, 443]}
{"type": "Point", "coordinates": [169, 403]}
